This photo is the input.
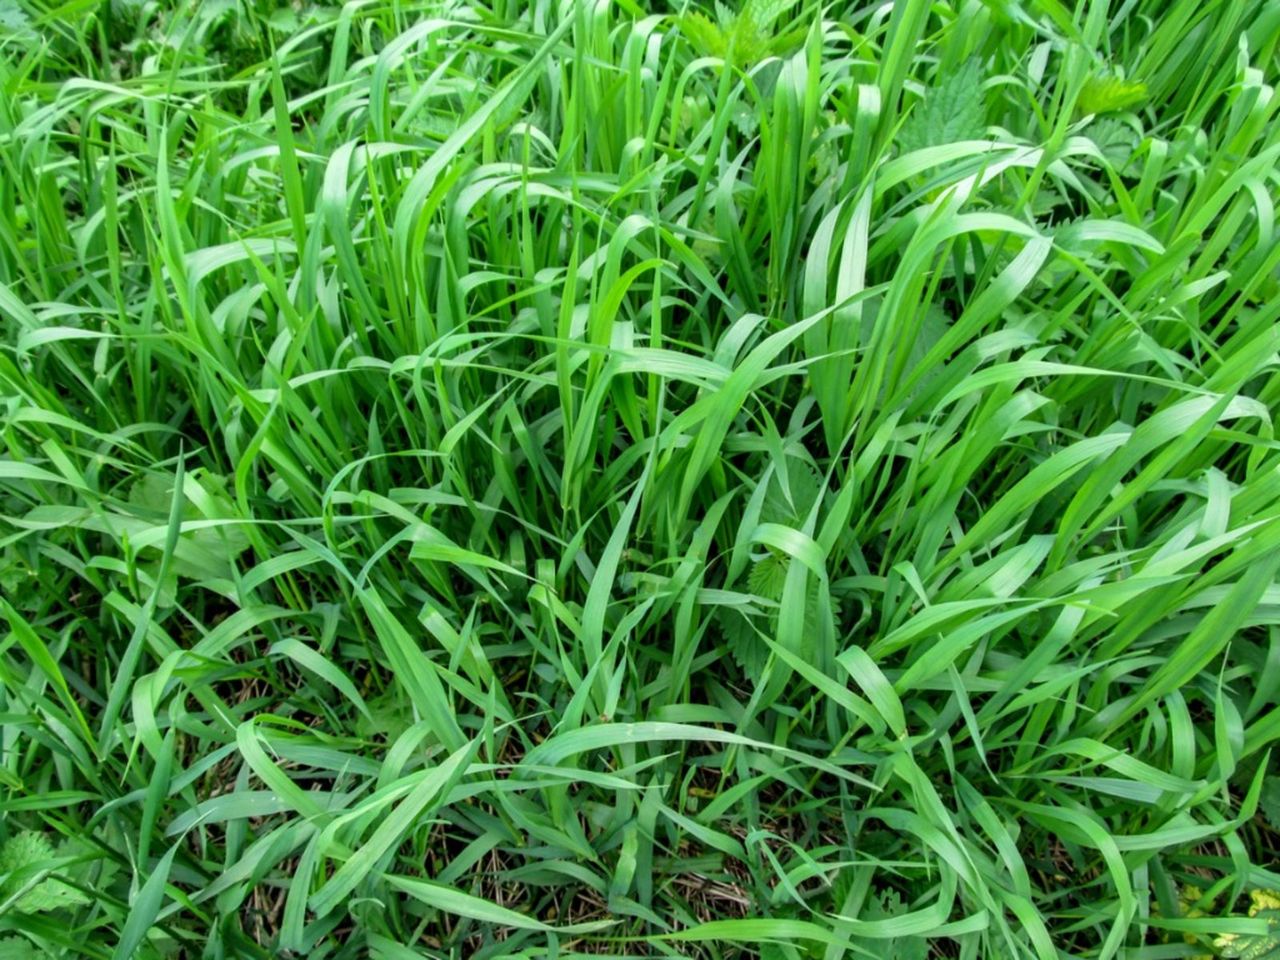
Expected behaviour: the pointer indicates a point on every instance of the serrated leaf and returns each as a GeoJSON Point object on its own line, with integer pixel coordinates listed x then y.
{"type": "Point", "coordinates": [841, 884]}
{"type": "Point", "coordinates": [388, 717]}
{"type": "Point", "coordinates": [746, 37]}
{"type": "Point", "coordinates": [13, 19]}
{"type": "Point", "coordinates": [747, 42]}
{"type": "Point", "coordinates": [786, 41]}
{"type": "Point", "coordinates": [31, 849]}
{"type": "Point", "coordinates": [285, 20]}
{"type": "Point", "coordinates": [744, 119]}
{"type": "Point", "coordinates": [932, 329]}
{"type": "Point", "coordinates": [16, 948]}
{"type": "Point", "coordinates": [25, 849]}
{"type": "Point", "coordinates": [1105, 94]}
{"type": "Point", "coordinates": [1269, 802]}
{"type": "Point", "coordinates": [749, 652]}
{"type": "Point", "coordinates": [767, 577]}
{"type": "Point", "coordinates": [205, 548]}
{"type": "Point", "coordinates": [89, 862]}
{"type": "Point", "coordinates": [49, 895]}
{"type": "Point", "coordinates": [952, 110]}
{"type": "Point", "coordinates": [885, 905]}
{"type": "Point", "coordinates": [704, 34]}
{"type": "Point", "coordinates": [12, 572]}
{"type": "Point", "coordinates": [1115, 139]}
{"type": "Point", "coordinates": [790, 504]}
{"type": "Point", "coordinates": [764, 12]}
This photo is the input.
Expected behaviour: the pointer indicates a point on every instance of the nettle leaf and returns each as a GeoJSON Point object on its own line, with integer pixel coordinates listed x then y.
{"type": "Point", "coordinates": [954, 109]}
{"type": "Point", "coordinates": [704, 34]}
{"type": "Point", "coordinates": [768, 577]}
{"type": "Point", "coordinates": [30, 849]}
{"type": "Point", "coordinates": [933, 327]}
{"type": "Point", "coordinates": [841, 885]}
{"type": "Point", "coordinates": [746, 36]}
{"type": "Point", "coordinates": [742, 631]}
{"type": "Point", "coordinates": [1105, 94]}
{"type": "Point", "coordinates": [13, 19]}
{"type": "Point", "coordinates": [388, 717]}
{"type": "Point", "coordinates": [25, 849]}
{"type": "Point", "coordinates": [16, 948]}
{"type": "Point", "coordinates": [204, 551]}
{"type": "Point", "coordinates": [790, 504]}
{"type": "Point", "coordinates": [886, 904]}
{"type": "Point", "coordinates": [764, 12]}
{"type": "Point", "coordinates": [13, 572]}
{"type": "Point", "coordinates": [744, 119]}
{"type": "Point", "coordinates": [1115, 138]}
{"type": "Point", "coordinates": [284, 20]}
{"type": "Point", "coordinates": [748, 42]}
{"type": "Point", "coordinates": [89, 863]}
{"type": "Point", "coordinates": [742, 638]}
{"type": "Point", "coordinates": [1270, 801]}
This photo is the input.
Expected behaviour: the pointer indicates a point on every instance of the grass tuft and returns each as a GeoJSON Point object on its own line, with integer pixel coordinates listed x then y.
{"type": "Point", "coordinates": [777, 479]}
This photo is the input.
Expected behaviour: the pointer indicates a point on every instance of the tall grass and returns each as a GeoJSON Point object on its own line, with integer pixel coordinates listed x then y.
{"type": "Point", "coordinates": [534, 480]}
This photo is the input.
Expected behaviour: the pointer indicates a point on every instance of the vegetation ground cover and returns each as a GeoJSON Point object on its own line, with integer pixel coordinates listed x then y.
{"type": "Point", "coordinates": [579, 478]}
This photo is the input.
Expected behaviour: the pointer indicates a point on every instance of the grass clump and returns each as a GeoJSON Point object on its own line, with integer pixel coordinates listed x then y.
{"type": "Point", "coordinates": [561, 479]}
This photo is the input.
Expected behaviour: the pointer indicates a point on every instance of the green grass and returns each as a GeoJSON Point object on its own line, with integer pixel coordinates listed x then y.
{"type": "Point", "coordinates": [558, 479]}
